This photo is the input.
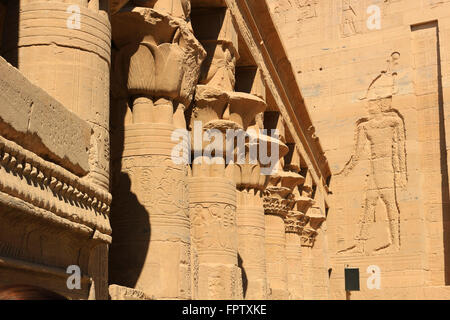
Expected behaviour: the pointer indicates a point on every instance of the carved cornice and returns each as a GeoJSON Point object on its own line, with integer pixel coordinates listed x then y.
{"type": "Point", "coordinates": [47, 186]}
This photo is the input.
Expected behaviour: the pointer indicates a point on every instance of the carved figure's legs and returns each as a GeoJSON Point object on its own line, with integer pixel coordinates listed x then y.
{"type": "Point", "coordinates": [369, 212]}
{"type": "Point", "coordinates": [389, 199]}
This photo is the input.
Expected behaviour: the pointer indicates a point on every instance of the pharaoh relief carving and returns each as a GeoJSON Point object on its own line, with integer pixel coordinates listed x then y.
{"type": "Point", "coordinates": [383, 131]}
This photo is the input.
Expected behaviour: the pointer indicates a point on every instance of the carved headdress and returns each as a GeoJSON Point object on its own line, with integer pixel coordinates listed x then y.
{"type": "Point", "coordinates": [384, 85]}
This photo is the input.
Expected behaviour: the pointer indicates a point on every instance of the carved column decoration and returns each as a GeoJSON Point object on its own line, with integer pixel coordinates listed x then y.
{"type": "Point", "coordinates": [250, 183]}
{"type": "Point", "coordinates": [212, 197]}
{"type": "Point", "coordinates": [277, 204]}
{"type": "Point", "coordinates": [157, 65]}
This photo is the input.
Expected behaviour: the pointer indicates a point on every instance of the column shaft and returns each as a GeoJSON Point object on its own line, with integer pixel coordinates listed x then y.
{"type": "Point", "coordinates": [150, 251]}
{"type": "Point", "coordinates": [212, 208]}
{"type": "Point", "coordinates": [276, 257]}
{"type": "Point", "coordinates": [294, 265]}
{"type": "Point", "coordinates": [251, 241]}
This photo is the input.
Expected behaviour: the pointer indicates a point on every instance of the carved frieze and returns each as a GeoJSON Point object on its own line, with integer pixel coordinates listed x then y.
{"type": "Point", "coordinates": [50, 187]}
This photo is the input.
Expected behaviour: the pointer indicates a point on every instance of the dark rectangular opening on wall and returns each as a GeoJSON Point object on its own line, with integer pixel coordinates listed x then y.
{"type": "Point", "coordinates": [432, 28]}
{"type": "Point", "coordinates": [352, 279]}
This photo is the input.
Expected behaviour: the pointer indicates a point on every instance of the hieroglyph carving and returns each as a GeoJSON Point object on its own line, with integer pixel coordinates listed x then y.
{"type": "Point", "coordinates": [384, 130]}
{"type": "Point", "coordinates": [349, 23]}
{"type": "Point", "coordinates": [212, 224]}
{"type": "Point", "coordinates": [308, 8]}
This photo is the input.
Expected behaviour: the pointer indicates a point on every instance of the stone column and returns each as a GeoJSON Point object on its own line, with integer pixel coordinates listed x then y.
{"type": "Point", "coordinates": [159, 64]}
{"type": "Point", "coordinates": [308, 237]}
{"type": "Point", "coordinates": [307, 240]}
{"type": "Point", "coordinates": [279, 201]}
{"type": "Point", "coordinates": [250, 183]}
{"type": "Point", "coordinates": [276, 208]}
{"type": "Point", "coordinates": [65, 48]}
{"type": "Point", "coordinates": [295, 221]}
{"type": "Point", "coordinates": [212, 208]}
{"type": "Point", "coordinates": [212, 204]}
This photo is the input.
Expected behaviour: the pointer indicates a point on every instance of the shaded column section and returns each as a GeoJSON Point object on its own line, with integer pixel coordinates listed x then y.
{"type": "Point", "coordinates": [157, 66]}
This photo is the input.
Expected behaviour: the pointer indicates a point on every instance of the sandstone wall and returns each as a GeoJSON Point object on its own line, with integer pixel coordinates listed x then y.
{"type": "Point", "coordinates": [390, 203]}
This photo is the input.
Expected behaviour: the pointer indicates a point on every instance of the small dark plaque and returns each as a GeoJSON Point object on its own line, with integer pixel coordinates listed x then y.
{"type": "Point", "coordinates": [351, 279]}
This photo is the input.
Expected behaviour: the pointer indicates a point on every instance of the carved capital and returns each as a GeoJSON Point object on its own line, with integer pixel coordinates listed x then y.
{"type": "Point", "coordinates": [277, 203]}
{"type": "Point", "coordinates": [159, 56]}
{"type": "Point", "coordinates": [308, 237]}
{"type": "Point", "coordinates": [295, 222]}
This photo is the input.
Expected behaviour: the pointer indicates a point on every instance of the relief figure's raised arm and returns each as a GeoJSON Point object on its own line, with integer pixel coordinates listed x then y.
{"type": "Point", "coordinates": [361, 139]}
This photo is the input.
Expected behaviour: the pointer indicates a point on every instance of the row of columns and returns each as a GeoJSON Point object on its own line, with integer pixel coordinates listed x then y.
{"type": "Point", "coordinates": [216, 229]}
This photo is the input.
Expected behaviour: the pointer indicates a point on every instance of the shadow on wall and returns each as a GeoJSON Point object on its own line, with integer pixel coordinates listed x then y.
{"type": "Point", "coordinates": [244, 275]}
{"type": "Point", "coordinates": [130, 221]}
{"type": "Point", "coordinates": [131, 235]}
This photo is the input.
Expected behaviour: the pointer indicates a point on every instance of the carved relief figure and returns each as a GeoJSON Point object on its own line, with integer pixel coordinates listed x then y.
{"type": "Point", "coordinates": [349, 16]}
{"type": "Point", "coordinates": [384, 132]}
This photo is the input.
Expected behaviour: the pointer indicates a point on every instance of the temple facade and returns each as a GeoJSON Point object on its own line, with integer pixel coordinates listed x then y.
{"type": "Point", "coordinates": [161, 148]}
{"type": "Point", "coordinates": [165, 149]}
